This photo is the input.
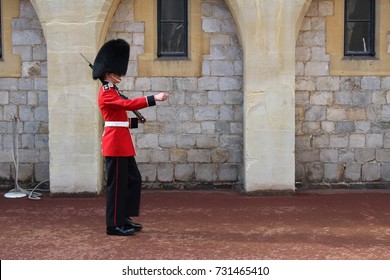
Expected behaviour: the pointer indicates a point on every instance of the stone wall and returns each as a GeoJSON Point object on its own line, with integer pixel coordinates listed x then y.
{"type": "Point", "coordinates": [342, 122]}
{"type": "Point", "coordinates": [195, 139]}
{"type": "Point", "coordinates": [26, 99]}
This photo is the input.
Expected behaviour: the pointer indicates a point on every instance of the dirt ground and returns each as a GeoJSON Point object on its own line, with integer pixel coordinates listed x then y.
{"type": "Point", "coordinates": [203, 225]}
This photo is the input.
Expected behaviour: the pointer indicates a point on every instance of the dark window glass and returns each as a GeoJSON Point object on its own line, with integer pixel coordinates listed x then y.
{"type": "Point", "coordinates": [172, 28]}
{"type": "Point", "coordinates": [359, 28]}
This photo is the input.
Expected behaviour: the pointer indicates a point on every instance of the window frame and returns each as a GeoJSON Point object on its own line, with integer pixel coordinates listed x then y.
{"type": "Point", "coordinates": [160, 22]}
{"type": "Point", "coordinates": [372, 21]}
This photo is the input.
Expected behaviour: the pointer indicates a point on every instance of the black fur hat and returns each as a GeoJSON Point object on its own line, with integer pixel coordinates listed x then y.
{"type": "Point", "coordinates": [113, 57]}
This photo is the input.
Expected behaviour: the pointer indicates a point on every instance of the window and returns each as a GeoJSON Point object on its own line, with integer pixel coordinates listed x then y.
{"type": "Point", "coordinates": [172, 30]}
{"type": "Point", "coordinates": [359, 28]}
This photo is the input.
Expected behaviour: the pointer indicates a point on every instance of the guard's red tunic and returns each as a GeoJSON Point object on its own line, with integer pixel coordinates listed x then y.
{"type": "Point", "coordinates": [116, 141]}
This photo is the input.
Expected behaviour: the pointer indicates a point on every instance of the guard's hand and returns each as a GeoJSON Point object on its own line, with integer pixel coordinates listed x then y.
{"type": "Point", "coordinates": [162, 96]}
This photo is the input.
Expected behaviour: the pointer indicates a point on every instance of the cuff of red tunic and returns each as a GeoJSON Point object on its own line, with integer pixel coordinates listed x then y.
{"type": "Point", "coordinates": [151, 101]}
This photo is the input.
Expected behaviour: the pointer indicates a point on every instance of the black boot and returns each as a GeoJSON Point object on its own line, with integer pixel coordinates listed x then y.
{"type": "Point", "coordinates": [120, 230]}
{"type": "Point", "coordinates": [133, 225]}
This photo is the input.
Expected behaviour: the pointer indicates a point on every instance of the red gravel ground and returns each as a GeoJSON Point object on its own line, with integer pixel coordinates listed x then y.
{"type": "Point", "coordinates": [201, 225]}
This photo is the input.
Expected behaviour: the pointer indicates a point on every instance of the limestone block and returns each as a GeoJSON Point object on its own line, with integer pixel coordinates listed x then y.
{"type": "Point", "coordinates": [385, 82]}
{"type": "Point", "coordinates": [346, 156]}
{"type": "Point", "coordinates": [178, 155]}
{"type": "Point", "coordinates": [207, 141]}
{"type": "Point", "coordinates": [41, 171]}
{"type": "Point", "coordinates": [308, 155]}
{"type": "Point", "coordinates": [371, 82]}
{"type": "Point", "coordinates": [216, 97]}
{"type": "Point", "coordinates": [26, 84]}
{"type": "Point", "coordinates": [361, 98]}
{"type": "Point", "coordinates": [189, 83]}
{"type": "Point", "coordinates": [230, 83]}
{"type": "Point", "coordinates": [321, 98]}
{"type": "Point", "coordinates": [328, 83]}
{"type": "Point", "coordinates": [334, 114]}
{"type": "Point", "coordinates": [345, 127]}
{"type": "Point", "coordinates": [205, 172]}
{"type": "Point", "coordinates": [364, 155]}
{"type": "Point", "coordinates": [184, 114]}
{"type": "Point", "coordinates": [165, 172]}
{"type": "Point", "coordinates": [371, 172]}
{"type": "Point", "coordinates": [184, 172]}
{"type": "Point", "coordinates": [317, 69]}
{"type": "Point", "coordinates": [167, 141]}
{"type": "Point", "coordinates": [143, 155]}
{"type": "Point", "coordinates": [204, 83]}
{"type": "Point", "coordinates": [379, 97]}
{"type": "Point", "coordinates": [226, 113]}
{"type": "Point", "coordinates": [356, 114]}
{"type": "Point", "coordinates": [357, 141]}
{"type": "Point", "coordinates": [147, 141]}
{"type": "Point", "coordinates": [148, 172]}
{"type": "Point", "coordinates": [165, 113]}
{"type": "Point", "coordinates": [196, 98]}
{"type": "Point", "coordinates": [362, 126]}
{"type": "Point", "coordinates": [18, 98]}
{"type": "Point", "coordinates": [321, 141]}
{"type": "Point", "coordinates": [333, 172]}
{"type": "Point", "coordinates": [228, 172]}
{"type": "Point", "coordinates": [161, 84]}
{"type": "Point", "coordinates": [385, 114]}
{"type": "Point", "coordinates": [311, 127]}
{"type": "Point", "coordinates": [314, 172]}
{"type": "Point", "coordinates": [198, 156]}
{"type": "Point", "coordinates": [205, 113]}
{"type": "Point", "coordinates": [305, 84]}
{"type": "Point", "coordinates": [383, 155]}
{"type": "Point", "coordinates": [315, 113]}
{"type": "Point", "coordinates": [9, 84]}
{"type": "Point", "coordinates": [159, 155]}
{"type": "Point", "coordinates": [219, 155]}
{"type": "Point", "coordinates": [338, 141]}
{"type": "Point", "coordinates": [353, 172]}
{"type": "Point", "coordinates": [328, 127]}
{"type": "Point", "coordinates": [329, 155]}
{"type": "Point", "coordinates": [211, 25]}
{"type": "Point", "coordinates": [190, 127]}
{"type": "Point", "coordinates": [325, 8]}
{"type": "Point", "coordinates": [185, 141]}
{"type": "Point", "coordinates": [222, 68]}
{"type": "Point", "coordinates": [374, 140]}
{"type": "Point", "coordinates": [385, 171]}
{"type": "Point", "coordinates": [208, 126]}
{"type": "Point", "coordinates": [386, 140]}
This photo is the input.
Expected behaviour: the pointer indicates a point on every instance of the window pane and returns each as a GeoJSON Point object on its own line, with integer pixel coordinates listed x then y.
{"type": "Point", "coordinates": [358, 37]}
{"type": "Point", "coordinates": [172, 10]}
{"type": "Point", "coordinates": [174, 38]}
{"type": "Point", "coordinates": [358, 9]}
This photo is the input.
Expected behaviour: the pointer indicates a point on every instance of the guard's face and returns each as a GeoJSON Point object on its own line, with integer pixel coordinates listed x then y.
{"type": "Point", "coordinates": [115, 78]}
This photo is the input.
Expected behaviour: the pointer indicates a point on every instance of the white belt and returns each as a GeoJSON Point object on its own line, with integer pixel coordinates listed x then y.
{"type": "Point", "coordinates": [117, 124]}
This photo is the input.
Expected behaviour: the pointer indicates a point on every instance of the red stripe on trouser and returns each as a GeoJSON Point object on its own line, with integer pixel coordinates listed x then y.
{"type": "Point", "coordinates": [116, 190]}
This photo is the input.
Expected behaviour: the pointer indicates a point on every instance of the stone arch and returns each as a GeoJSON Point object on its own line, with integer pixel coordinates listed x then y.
{"type": "Point", "coordinates": [264, 29]}
{"type": "Point", "coordinates": [74, 118]}
{"type": "Point", "coordinates": [265, 32]}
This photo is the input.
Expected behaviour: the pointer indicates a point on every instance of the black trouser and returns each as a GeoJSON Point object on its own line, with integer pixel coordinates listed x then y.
{"type": "Point", "coordinates": [123, 190]}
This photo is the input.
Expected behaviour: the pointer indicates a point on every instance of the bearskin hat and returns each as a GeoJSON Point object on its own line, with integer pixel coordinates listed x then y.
{"type": "Point", "coordinates": [113, 57]}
